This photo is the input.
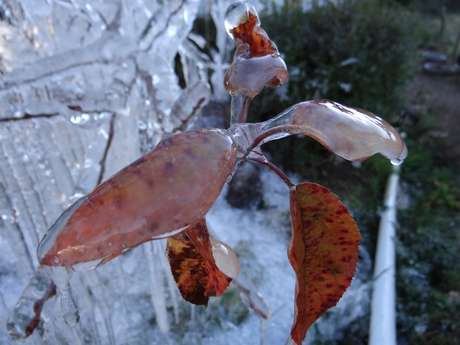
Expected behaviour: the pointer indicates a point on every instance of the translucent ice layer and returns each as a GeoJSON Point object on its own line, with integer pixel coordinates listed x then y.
{"type": "Point", "coordinates": [225, 258]}
{"type": "Point", "coordinates": [249, 76]}
{"type": "Point", "coordinates": [349, 133]}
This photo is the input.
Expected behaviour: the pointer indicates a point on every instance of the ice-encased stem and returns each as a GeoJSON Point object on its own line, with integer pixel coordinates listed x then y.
{"type": "Point", "coordinates": [239, 107]}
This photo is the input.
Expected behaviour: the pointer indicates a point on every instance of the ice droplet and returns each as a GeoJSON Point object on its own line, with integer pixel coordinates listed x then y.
{"type": "Point", "coordinates": [238, 13]}
{"type": "Point", "coordinates": [225, 258]}
{"type": "Point", "coordinates": [398, 161]}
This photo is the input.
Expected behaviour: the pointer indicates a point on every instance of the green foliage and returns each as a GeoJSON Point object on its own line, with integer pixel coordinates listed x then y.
{"type": "Point", "coordinates": [360, 53]}
{"type": "Point", "coordinates": [432, 6]}
{"type": "Point", "coordinates": [429, 247]}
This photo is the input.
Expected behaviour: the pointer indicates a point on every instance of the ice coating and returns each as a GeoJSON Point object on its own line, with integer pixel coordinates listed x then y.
{"type": "Point", "coordinates": [238, 13]}
{"type": "Point", "coordinates": [351, 134]}
{"type": "Point", "coordinates": [225, 258]}
{"type": "Point", "coordinates": [169, 188]}
{"type": "Point", "coordinates": [257, 62]}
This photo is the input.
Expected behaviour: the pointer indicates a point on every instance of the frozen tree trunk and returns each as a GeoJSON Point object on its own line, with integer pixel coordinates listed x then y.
{"type": "Point", "coordinates": [85, 88]}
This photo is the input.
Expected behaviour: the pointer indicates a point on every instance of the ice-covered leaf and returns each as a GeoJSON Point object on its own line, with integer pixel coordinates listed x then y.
{"type": "Point", "coordinates": [195, 266]}
{"type": "Point", "coordinates": [323, 253]}
{"type": "Point", "coordinates": [257, 62]}
{"type": "Point", "coordinates": [161, 193]}
{"type": "Point", "coordinates": [350, 133]}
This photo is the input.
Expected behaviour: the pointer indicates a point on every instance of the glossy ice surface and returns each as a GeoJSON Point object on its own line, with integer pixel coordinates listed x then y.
{"type": "Point", "coordinates": [225, 258]}
{"type": "Point", "coordinates": [351, 134]}
{"type": "Point", "coordinates": [164, 191]}
{"type": "Point", "coordinates": [249, 76]}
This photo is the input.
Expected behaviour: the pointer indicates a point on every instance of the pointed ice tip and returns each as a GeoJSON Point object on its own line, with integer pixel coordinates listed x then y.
{"type": "Point", "coordinates": [400, 160]}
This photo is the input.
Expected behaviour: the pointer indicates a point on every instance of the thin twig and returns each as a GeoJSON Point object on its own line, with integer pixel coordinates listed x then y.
{"type": "Point", "coordinates": [275, 169]}
{"type": "Point", "coordinates": [103, 160]}
{"type": "Point", "coordinates": [263, 136]}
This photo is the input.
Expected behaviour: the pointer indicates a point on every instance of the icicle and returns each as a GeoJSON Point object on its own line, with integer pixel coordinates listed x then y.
{"type": "Point", "coordinates": [157, 293]}
{"type": "Point", "coordinates": [263, 330]}
{"type": "Point", "coordinates": [172, 287]}
{"type": "Point", "coordinates": [101, 304]}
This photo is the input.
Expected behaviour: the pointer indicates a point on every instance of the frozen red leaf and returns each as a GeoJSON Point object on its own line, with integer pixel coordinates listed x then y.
{"type": "Point", "coordinates": [192, 258]}
{"type": "Point", "coordinates": [323, 253]}
{"type": "Point", "coordinates": [160, 194]}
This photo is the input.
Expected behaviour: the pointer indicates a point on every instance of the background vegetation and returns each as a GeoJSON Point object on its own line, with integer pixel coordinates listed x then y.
{"type": "Point", "coordinates": [366, 54]}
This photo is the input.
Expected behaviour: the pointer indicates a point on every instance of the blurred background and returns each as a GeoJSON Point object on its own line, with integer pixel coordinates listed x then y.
{"type": "Point", "coordinates": [86, 87]}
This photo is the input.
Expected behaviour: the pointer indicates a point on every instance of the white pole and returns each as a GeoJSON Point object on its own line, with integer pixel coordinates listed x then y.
{"type": "Point", "coordinates": [383, 306]}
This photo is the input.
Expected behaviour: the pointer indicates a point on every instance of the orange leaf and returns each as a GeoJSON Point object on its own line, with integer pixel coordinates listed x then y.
{"type": "Point", "coordinates": [323, 253]}
{"type": "Point", "coordinates": [193, 265]}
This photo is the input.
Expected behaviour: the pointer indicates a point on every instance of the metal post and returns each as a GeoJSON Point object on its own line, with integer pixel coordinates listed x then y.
{"type": "Point", "coordinates": [383, 306]}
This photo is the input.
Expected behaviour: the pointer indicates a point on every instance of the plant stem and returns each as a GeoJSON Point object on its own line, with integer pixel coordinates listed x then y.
{"type": "Point", "coordinates": [275, 169]}
{"type": "Point", "coordinates": [264, 135]}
